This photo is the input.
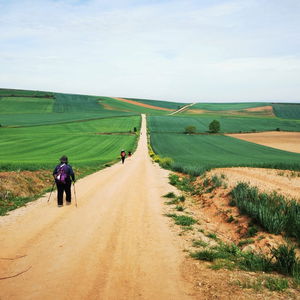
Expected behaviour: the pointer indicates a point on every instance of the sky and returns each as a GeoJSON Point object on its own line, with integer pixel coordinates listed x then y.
{"type": "Point", "coordinates": [175, 50]}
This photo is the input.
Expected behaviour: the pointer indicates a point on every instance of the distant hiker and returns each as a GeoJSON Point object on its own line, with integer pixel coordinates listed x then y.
{"type": "Point", "coordinates": [63, 173]}
{"type": "Point", "coordinates": [123, 155]}
{"type": "Point", "coordinates": [129, 153]}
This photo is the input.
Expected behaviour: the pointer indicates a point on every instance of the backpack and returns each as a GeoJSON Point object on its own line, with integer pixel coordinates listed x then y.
{"type": "Point", "coordinates": [61, 175]}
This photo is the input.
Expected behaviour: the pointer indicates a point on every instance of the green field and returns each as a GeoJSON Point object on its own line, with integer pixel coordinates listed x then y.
{"type": "Point", "coordinates": [196, 153]}
{"type": "Point", "coordinates": [24, 93]}
{"type": "Point", "coordinates": [158, 103]}
{"type": "Point", "coordinates": [70, 124]}
{"type": "Point", "coordinates": [37, 110]}
{"type": "Point", "coordinates": [27, 108]}
{"type": "Point", "coordinates": [228, 106]}
{"type": "Point", "coordinates": [287, 111]}
{"type": "Point", "coordinates": [128, 107]}
{"type": "Point", "coordinates": [178, 123]}
{"type": "Point", "coordinates": [41, 146]}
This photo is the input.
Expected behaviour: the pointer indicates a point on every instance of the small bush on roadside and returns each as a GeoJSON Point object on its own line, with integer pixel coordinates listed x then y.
{"type": "Point", "coordinates": [179, 208]}
{"type": "Point", "coordinates": [182, 220]}
{"type": "Point", "coordinates": [169, 195]}
{"type": "Point", "coordinates": [166, 162]}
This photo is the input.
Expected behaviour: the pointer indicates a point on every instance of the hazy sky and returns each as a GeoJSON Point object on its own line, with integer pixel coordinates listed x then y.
{"type": "Point", "coordinates": [185, 50]}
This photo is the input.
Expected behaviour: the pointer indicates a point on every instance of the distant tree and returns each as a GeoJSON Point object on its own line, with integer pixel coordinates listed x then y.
{"type": "Point", "coordinates": [214, 126]}
{"type": "Point", "coordinates": [190, 129]}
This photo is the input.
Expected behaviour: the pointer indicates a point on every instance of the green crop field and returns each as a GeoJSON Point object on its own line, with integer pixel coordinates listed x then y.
{"type": "Point", "coordinates": [196, 153]}
{"type": "Point", "coordinates": [24, 93]}
{"type": "Point", "coordinates": [40, 146]}
{"type": "Point", "coordinates": [128, 107]}
{"type": "Point", "coordinates": [27, 108]}
{"type": "Point", "coordinates": [228, 106]}
{"type": "Point", "coordinates": [164, 104]}
{"type": "Point", "coordinates": [229, 124]}
{"type": "Point", "coordinates": [287, 111]}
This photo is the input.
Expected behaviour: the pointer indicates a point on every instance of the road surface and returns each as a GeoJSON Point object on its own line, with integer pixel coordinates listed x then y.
{"type": "Point", "coordinates": [115, 245]}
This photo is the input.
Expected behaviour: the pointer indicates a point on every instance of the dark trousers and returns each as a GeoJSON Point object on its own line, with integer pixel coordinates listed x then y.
{"type": "Point", "coordinates": [123, 158]}
{"type": "Point", "coordinates": [61, 188]}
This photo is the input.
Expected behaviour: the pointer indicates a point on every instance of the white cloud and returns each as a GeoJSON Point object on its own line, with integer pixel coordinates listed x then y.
{"type": "Point", "coordinates": [174, 50]}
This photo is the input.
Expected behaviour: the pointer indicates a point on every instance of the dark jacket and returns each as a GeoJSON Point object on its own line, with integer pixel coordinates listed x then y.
{"type": "Point", "coordinates": [69, 171]}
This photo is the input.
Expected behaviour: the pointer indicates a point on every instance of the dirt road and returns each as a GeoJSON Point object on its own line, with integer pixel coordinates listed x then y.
{"type": "Point", "coordinates": [115, 245]}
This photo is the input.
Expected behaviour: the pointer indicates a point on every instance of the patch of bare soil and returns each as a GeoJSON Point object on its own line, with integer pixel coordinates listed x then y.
{"type": "Point", "coordinates": [268, 109]}
{"type": "Point", "coordinates": [288, 141]}
{"type": "Point", "coordinates": [218, 221]}
{"type": "Point", "coordinates": [197, 111]}
{"type": "Point", "coordinates": [264, 110]}
{"type": "Point", "coordinates": [109, 107]}
{"type": "Point", "coordinates": [143, 104]}
{"type": "Point", "coordinates": [24, 183]}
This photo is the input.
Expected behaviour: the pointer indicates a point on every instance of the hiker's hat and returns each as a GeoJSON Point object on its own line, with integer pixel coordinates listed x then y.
{"type": "Point", "coordinates": [64, 159]}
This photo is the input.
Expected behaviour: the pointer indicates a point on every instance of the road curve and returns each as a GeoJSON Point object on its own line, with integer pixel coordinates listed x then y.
{"type": "Point", "coordinates": [115, 245]}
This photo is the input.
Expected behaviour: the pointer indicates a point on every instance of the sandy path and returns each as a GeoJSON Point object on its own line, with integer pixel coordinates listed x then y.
{"type": "Point", "coordinates": [115, 245]}
{"type": "Point", "coordinates": [288, 141]}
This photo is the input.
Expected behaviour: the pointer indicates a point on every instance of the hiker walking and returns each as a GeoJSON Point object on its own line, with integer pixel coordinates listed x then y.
{"type": "Point", "coordinates": [123, 155]}
{"type": "Point", "coordinates": [63, 174]}
{"type": "Point", "coordinates": [129, 154]}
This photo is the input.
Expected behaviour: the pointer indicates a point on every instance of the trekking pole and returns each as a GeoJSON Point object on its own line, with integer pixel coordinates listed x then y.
{"type": "Point", "coordinates": [51, 191]}
{"type": "Point", "coordinates": [75, 194]}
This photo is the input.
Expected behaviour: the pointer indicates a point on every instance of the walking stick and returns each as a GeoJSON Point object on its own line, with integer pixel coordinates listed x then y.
{"type": "Point", "coordinates": [75, 194]}
{"type": "Point", "coordinates": [51, 191]}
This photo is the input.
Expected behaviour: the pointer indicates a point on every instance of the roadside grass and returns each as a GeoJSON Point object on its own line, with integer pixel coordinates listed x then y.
{"type": "Point", "coordinates": [230, 256]}
{"type": "Point", "coordinates": [169, 195]}
{"type": "Point", "coordinates": [273, 212]}
{"type": "Point", "coordinates": [270, 282]}
{"type": "Point", "coordinates": [9, 202]}
{"type": "Point", "coordinates": [182, 220]}
{"type": "Point", "coordinates": [281, 259]}
{"type": "Point", "coordinates": [200, 243]}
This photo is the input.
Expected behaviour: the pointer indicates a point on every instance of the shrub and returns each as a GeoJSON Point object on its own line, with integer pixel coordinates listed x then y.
{"type": "Point", "coordinates": [166, 162]}
{"type": "Point", "coordinates": [182, 220]}
{"type": "Point", "coordinates": [190, 129]}
{"type": "Point", "coordinates": [169, 195]}
{"type": "Point", "coordinates": [214, 126]}
{"type": "Point", "coordinates": [179, 208]}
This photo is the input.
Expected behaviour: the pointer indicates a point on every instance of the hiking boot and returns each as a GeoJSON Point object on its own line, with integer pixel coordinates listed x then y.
{"type": "Point", "coordinates": [60, 205]}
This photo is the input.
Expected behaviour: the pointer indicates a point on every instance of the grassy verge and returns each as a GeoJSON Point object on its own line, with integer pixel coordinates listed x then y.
{"type": "Point", "coordinates": [9, 200]}
{"type": "Point", "coordinates": [229, 256]}
{"type": "Point", "coordinates": [280, 259]}
{"type": "Point", "coordinates": [271, 211]}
